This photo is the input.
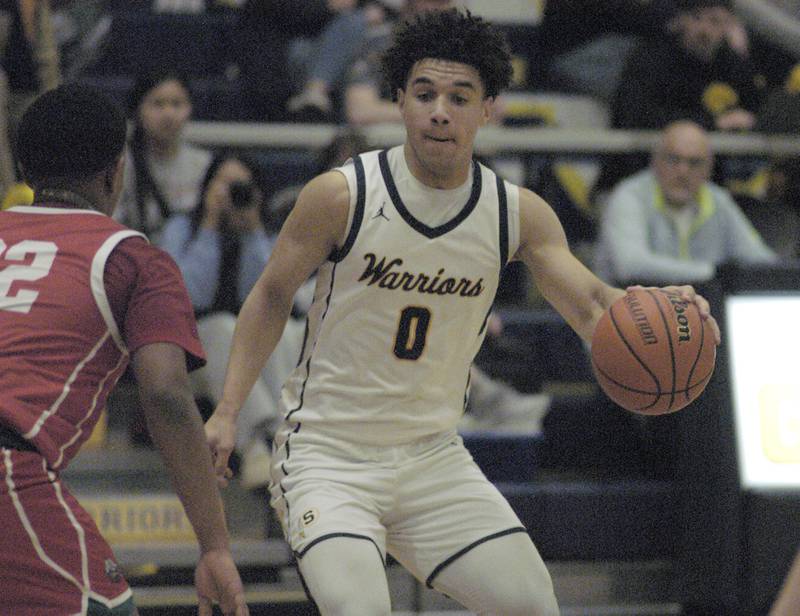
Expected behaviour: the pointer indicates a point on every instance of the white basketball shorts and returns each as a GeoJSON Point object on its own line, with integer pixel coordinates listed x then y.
{"type": "Point", "coordinates": [425, 504]}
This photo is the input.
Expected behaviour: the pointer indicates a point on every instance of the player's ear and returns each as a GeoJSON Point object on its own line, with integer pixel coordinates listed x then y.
{"type": "Point", "coordinates": [487, 110]}
{"type": "Point", "coordinates": [401, 98]}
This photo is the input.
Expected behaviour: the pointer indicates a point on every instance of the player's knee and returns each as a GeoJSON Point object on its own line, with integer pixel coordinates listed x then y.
{"type": "Point", "coordinates": [354, 606]}
{"type": "Point", "coordinates": [532, 600]}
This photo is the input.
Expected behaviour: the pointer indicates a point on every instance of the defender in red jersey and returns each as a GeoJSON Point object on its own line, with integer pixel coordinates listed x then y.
{"type": "Point", "coordinates": [81, 296]}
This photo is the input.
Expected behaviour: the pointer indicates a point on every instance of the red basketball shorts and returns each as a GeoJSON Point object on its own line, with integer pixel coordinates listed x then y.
{"type": "Point", "coordinates": [53, 560]}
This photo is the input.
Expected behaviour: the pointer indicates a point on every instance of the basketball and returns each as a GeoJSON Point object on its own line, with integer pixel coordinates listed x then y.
{"type": "Point", "coordinates": [652, 353]}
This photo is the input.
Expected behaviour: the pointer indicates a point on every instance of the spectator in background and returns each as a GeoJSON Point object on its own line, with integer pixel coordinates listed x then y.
{"type": "Point", "coordinates": [367, 99]}
{"type": "Point", "coordinates": [29, 65]}
{"type": "Point", "coordinates": [699, 69]}
{"type": "Point", "coordinates": [323, 62]}
{"type": "Point", "coordinates": [669, 222]}
{"type": "Point", "coordinates": [775, 23]}
{"type": "Point", "coordinates": [775, 210]}
{"type": "Point", "coordinates": [298, 45]}
{"type": "Point", "coordinates": [581, 46]}
{"type": "Point", "coordinates": [776, 215]}
{"type": "Point", "coordinates": [163, 172]}
{"type": "Point", "coordinates": [221, 248]}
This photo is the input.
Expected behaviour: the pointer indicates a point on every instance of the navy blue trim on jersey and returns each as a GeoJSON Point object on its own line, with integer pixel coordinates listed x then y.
{"type": "Point", "coordinates": [502, 201]}
{"type": "Point", "coordinates": [303, 346]}
{"type": "Point", "coordinates": [466, 392]}
{"type": "Point", "coordinates": [285, 472]}
{"type": "Point", "coordinates": [286, 459]}
{"type": "Point", "coordinates": [430, 232]}
{"type": "Point", "coordinates": [358, 214]}
{"type": "Point", "coordinates": [502, 205]}
{"type": "Point", "coordinates": [441, 566]}
{"type": "Point", "coordinates": [322, 538]}
{"type": "Point", "coordinates": [311, 354]}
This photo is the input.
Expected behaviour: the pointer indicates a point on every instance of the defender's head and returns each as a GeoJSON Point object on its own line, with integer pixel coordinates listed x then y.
{"type": "Point", "coordinates": [72, 138]}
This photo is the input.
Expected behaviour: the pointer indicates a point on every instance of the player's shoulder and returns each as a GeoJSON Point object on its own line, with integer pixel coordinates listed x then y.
{"type": "Point", "coordinates": [531, 204]}
{"type": "Point", "coordinates": [146, 258]}
{"type": "Point", "coordinates": [327, 191]}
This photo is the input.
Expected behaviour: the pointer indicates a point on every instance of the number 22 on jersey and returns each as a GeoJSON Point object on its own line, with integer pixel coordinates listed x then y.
{"type": "Point", "coordinates": [44, 253]}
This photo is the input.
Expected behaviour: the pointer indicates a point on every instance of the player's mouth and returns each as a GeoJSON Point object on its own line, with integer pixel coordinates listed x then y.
{"type": "Point", "coordinates": [436, 139]}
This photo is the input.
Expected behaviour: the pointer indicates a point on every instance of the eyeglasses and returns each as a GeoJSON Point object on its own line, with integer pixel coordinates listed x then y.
{"type": "Point", "coordinates": [693, 162]}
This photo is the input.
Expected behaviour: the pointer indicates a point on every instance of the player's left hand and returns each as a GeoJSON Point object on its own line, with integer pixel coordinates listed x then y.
{"type": "Point", "coordinates": [217, 580]}
{"type": "Point", "coordinates": [688, 294]}
{"type": "Point", "coordinates": [220, 436]}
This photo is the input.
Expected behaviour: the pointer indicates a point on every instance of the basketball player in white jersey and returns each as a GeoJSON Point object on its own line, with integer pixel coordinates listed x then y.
{"type": "Point", "coordinates": [408, 245]}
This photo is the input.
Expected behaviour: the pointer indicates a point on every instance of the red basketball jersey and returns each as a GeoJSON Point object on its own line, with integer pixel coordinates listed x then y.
{"type": "Point", "coordinates": [61, 348]}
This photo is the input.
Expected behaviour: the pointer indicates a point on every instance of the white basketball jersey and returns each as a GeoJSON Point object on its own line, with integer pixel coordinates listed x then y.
{"type": "Point", "coordinates": [400, 309]}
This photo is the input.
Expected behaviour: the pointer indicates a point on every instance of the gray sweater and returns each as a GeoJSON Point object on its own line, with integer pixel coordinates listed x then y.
{"type": "Point", "coordinates": [639, 240]}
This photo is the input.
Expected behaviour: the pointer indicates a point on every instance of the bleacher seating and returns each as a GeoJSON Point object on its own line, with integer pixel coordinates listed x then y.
{"type": "Point", "coordinates": [197, 45]}
{"type": "Point", "coordinates": [201, 47]}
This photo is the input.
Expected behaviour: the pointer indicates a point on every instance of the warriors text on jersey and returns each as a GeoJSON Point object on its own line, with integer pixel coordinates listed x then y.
{"type": "Point", "coordinates": [400, 310]}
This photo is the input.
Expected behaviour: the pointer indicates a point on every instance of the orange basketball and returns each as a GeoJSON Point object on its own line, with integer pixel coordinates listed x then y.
{"type": "Point", "coordinates": [652, 353]}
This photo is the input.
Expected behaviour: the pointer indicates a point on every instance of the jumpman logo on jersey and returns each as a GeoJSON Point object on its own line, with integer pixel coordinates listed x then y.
{"type": "Point", "coordinates": [379, 213]}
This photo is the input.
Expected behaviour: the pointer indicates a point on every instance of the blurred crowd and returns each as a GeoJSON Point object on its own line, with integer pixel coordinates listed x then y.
{"type": "Point", "coordinates": [686, 68]}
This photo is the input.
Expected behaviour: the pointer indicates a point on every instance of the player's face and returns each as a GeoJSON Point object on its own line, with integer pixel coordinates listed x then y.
{"type": "Point", "coordinates": [681, 164]}
{"type": "Point", "coordinates": [164, 111]}
{"type": "Point", "coordinates": [443, 106]}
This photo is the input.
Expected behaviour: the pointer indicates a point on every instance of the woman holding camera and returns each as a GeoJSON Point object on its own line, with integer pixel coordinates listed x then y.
{"type": "Point", "coordinates": [221, 247]}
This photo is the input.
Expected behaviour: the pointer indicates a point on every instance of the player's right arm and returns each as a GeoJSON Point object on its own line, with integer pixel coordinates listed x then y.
{"type": "Point", "coordinates": [176, 427]}
{"type": "Point", "coordinates": [310, 234]}
{"type": "Point", "coordinates": [152, 310]}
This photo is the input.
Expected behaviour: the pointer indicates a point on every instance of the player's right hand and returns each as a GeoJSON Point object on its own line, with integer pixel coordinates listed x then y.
{"type": "Point", "coordinates": [220, 436]}
{"type": "Point", "coordinates": [217, 581]}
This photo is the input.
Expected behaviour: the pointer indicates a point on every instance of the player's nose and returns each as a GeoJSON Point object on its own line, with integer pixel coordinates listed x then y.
{"type": "Point", "coordinates": [440, 113]}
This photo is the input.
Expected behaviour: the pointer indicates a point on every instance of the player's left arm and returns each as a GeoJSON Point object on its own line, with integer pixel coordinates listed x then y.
{"type": "Point", "coordinates": [568, 285]}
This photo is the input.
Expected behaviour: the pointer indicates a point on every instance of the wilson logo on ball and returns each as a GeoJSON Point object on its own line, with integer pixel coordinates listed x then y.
{"type": "Point", "coordinates": [640, 319]}
{"type": "Point", "coordinates": [684, 330]}
{"type": "Point", "coordinates": [652, 352]}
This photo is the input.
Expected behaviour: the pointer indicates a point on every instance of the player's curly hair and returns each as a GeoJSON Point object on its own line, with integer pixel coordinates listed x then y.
{"type": "Point", "coordinates": [449, 35]}
{"type": "Point", "coordinates": [71, 132]}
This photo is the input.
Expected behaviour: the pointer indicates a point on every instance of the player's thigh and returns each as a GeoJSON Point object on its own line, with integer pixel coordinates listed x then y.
{"type": "Point", "coordinates": [126, 608]}
{"type": "Point", "coordinates": [345, 576]}
{"type": "Point", "coordinates": [502, 576]}
{"type": "Point", "coordinates": [318, 494]}
{"type": "Point", "coordinates": [445, 507]}
{"type": "Point", "coordinates": [52, 556]}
